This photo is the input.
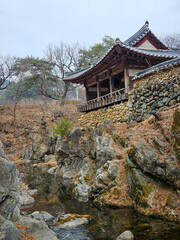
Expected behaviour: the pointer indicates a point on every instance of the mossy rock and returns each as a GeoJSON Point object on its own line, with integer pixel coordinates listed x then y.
{"type": "Point", "coordinates": [119, 140]}
{"type": "Point", "coordinates": [69, 217]}
{"type": "Point", "coordinates": [132, 152]}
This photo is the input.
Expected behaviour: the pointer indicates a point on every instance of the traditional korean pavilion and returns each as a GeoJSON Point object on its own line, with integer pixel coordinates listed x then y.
{"type": "Point", "coordinates": [109, 79]}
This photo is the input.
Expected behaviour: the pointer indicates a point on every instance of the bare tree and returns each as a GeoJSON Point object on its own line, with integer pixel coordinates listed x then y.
{"type": "Point", "coordinates": [6, 71]}
{"type": "Point", "coordinates": [65, 58]}
{"type": "Point", "coordinates": [171, 40]}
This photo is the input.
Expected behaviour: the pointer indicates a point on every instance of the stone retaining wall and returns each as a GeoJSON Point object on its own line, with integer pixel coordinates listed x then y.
{"type": "Point", "coordinates": [116, 113]}
{"type": "Point", "coordinates": [153, 92]}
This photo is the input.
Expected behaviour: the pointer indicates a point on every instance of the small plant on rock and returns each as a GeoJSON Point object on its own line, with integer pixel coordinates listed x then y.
{"type": "Point", "coordinates": [63, 127]}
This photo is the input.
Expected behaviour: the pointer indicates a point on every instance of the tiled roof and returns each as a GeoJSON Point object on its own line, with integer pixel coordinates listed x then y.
{"type": "Point", "coordinates": [153, 53]}
{"type": "Point", "coordinates": [138, 35]}
{"type": "Point", "coordinates": [169, 53]}
{"type": "Point", "coordinates": [83, 70]}
{"type": "Point", "coordinates": [76, 73]}
{"type": "Point", "coordinates": [160, 66]}
{"type": "Point", "coordinates": [134, 39]}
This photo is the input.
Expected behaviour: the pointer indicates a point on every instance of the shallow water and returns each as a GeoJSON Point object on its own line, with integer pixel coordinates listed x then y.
{"type": "Point", "coordinates": [107, 224]}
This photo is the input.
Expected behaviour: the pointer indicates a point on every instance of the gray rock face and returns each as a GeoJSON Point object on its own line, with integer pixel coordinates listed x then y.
{"type": "Point", "coordinates": [41, 216]}
{"type": "Point", "coordinates": [25, 199]}
{"type": "Point", "coordinates": [75, 221]}
{"type": "Point", "coordinates": [127, 235]}
{"type": "Point", "coordinates": [104, 149]}
{"type": "Point", "coordinates": [69, 158]}
{"type": "Point", "coordinates": [38, 228]}
{"type": "Point", "coordinates": [87, 159]}
{"type": "Point", "coordinates": [82, 192]}
{"type": "Point", "coordinates": [2, 154]}
{"type": "Point", "coordinates": [9, 231]}
{"type": "Point", "coordinates": [149, 161]}
{"type": "Point", "coordinates": [9, 198]}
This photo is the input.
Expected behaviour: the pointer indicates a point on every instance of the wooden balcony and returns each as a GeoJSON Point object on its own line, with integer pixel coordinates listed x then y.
{"type": "Point", "coordinates": [108, 99]}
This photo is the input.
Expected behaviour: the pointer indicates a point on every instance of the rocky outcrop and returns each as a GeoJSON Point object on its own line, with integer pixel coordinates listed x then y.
{"type": "Point", "coordinates": [146, 157]}
{"type": "Point", "coordinates": [69, 157]}
{"type": "Point", "coordinates": [8, 230]}
{"type": "Point", "coordinates": [9, 198]}
{"type": "Point", "coordinates": [36, 229]}
{"type": "Point", "coordinates": [137, 166]}
{"type": "Point", "coordinates": [91, 167]}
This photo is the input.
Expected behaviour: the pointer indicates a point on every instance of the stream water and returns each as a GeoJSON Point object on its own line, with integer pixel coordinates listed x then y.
{"type": "Point", "coordinates": [107, 224]}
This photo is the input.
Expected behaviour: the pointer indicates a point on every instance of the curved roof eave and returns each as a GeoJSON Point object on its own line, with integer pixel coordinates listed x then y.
{"type": "Point", "coordinates": [140, 34]}
{"type": "Point", "coordinates": [151, 53]}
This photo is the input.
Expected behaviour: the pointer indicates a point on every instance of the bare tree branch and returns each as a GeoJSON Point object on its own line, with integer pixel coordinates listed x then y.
{"type": "Point", "coordinates": [6, 71]}
{"type": "Point", "coordinates": [171, 40]}
{"type": "Point", "coordinates": [65, 58]}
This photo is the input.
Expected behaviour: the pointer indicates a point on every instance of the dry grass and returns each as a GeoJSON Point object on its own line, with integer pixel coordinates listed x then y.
{"type": "Point", "coordinates": [29, 120]}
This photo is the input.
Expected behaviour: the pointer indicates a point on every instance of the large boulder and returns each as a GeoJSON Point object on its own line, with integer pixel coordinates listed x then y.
{"type": "Point", "coordinates": [8, 231]}
{"type": "Point", "coordinates": [147, 158]}
{"type": "Point", "coordinates": [127, 235]}
{"type": "Point", "coordinates": [69, 158]}
{"type": "Point", "coordinates": [37, 228]}
{"type": "Point", "coordinates": [9, 198]}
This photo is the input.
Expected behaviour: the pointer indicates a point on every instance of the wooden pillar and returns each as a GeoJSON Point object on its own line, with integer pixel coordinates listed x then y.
{"type": "Point", "coordinates": [126, 79]}
{"type": "Point", "coordinates": [111, 84]}
{"type": "Point", "coordinates": [98, 90]}
{"type": "Point", "coordinates": [87, 94]}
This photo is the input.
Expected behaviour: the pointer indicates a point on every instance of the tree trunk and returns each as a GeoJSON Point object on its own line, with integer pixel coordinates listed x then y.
{"type": "Point", "coordinates": [66, 87]}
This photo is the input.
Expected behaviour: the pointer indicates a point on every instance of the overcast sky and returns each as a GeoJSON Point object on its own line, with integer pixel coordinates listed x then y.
{"type": "Point", "coordinates": [28, 26]}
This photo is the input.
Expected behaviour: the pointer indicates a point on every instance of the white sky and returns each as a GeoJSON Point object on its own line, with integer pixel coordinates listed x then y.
{"type": "Point", "coordinates": [28, 26]}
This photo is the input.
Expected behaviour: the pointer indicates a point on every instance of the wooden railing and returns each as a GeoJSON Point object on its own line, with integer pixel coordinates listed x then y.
{"type": "Point", "coordinates": [105, 100]}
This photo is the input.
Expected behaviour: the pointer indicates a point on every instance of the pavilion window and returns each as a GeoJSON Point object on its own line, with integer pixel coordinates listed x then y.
{"type": "Point", "coordinates": [104, 87]}
{"type": "Point", "coordinates": [91, 92]}
{"type": "Point", "coordinates": [118, 81]}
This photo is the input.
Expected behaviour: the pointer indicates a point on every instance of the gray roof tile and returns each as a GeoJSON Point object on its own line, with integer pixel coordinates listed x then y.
{"type": "Point", "coordinates": [160, 66]}
{"type": "Point", "coordinates": [138, 35]}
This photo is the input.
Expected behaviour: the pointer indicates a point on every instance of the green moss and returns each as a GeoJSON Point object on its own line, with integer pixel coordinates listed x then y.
{"type": "Point", "coordinates": [142, 226]}
{"type": "Point", "coordinates": [119, 140]}
{"type": "Point", "coordinates": [116, 191]}
{"type": "Point", "coordinates": [169, 201]}
{"type": "Point", "coordinates": [132, 152]}
{"type": "Point", "coordinates": [69, 218]}
{"type": "Point", "coordinates": [147, 188]}
{"type": "Point", "coordinates": [119, 156]}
